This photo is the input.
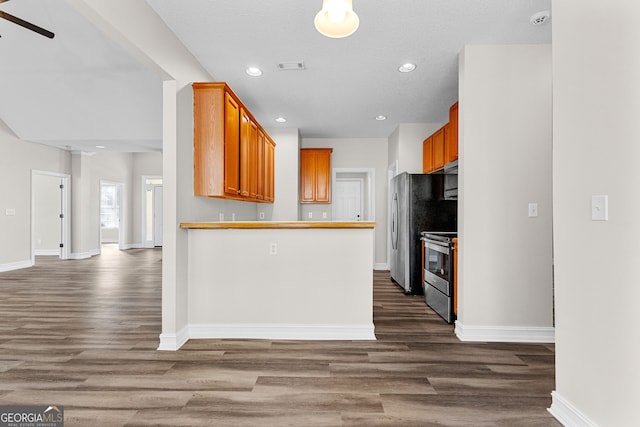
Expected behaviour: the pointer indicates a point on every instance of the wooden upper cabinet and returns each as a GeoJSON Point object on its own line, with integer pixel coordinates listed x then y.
{"type": "Point", "coordinates": [231, 146]}
{"type": "Point", "coordinates": [427, 155]}
{"type": "Point", "coordinates": [438, 149]}
{"type": "Point", "coordinates": [269, 157]}
{"type": "Point", "coordinates": [307, 176]}
{"type": "Point", "coordinates": [228, 156]}
{"type": "Point", "coordinates": [248, 155]}
{"type": "Point", "coordinates": [261, 166]}
{"type": "Point", "coordinates": [451, 145]}
{"type": "Point", "coordinates": [315, 175]}
{"type": "Point", "coordinates": [441, 147]}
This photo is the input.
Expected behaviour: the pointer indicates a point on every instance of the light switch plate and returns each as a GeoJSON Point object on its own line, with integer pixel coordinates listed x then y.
{"type": "Point", "coordinates": [533, 210]}
{"type": "Point", "coordinates": [599, 208]}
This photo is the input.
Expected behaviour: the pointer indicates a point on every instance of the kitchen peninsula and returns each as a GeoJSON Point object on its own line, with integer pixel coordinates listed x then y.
{"type": "Point", "coordinates": [280, 280]}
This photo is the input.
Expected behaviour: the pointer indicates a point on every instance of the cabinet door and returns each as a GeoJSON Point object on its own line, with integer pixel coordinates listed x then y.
{"type": "Point", "coordinates": [253, 161]}
{"type": "Point", "coordinates": [307, 176]}
{"type": "Point", "coordinates": [261, 165]}
{"type": "Point", "coordinates": [269, 154]}
{"type": "Point", "coordinates": [427, 155]}
{"type": "Point", "coordinates": [451, 153]}
{"type": "Point", "coordinates": [231, 146]}
{"type": "Point", "coordinates": [323, 176]}
{"type": "Point", "coordinates": [245, 137]}
{"type": "Point", "coordinates": [438, 149]}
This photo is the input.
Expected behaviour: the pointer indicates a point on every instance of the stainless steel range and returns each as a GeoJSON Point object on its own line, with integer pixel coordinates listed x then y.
{"type": "Point", "coordinates": [439, 272]}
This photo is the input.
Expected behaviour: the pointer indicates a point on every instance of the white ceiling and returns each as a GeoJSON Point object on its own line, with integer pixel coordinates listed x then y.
{"type": "Point", "coordinates": [81, 89]}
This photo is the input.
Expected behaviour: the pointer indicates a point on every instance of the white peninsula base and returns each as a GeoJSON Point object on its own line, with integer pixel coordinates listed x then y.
{"type": "Point", "coordinates": [263, 280]}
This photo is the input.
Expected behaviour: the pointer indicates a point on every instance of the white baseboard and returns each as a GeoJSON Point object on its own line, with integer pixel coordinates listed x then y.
{"type": "Point", "coordinates": [16, 265]}
{"type": "Point", "coordinates": [46, 252]}
{"type": "Point", "coordinates": [505, 333]}
{"type": "Point", "coordinates": [173, 342]}
{"type": "Point", "coordinates": [268, 332]}
{"type": "Point", "coordinates": [84, 255]}
{"type": "Point", "coordinates": [568, 414]}
{"type": "Point", "coordinates": [381, 266]}
{"type": "Point", "coordinates": [132, 246]}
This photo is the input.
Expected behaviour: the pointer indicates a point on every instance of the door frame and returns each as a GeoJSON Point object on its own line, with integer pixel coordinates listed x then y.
{"type": "Point", "coordinates": [143, 204]}
{"type": "Point", "coordinates": [65, 206]}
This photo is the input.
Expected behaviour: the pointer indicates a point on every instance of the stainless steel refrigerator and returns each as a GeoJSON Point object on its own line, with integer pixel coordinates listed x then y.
{"type": "Point", "coordinates": [417, 205]}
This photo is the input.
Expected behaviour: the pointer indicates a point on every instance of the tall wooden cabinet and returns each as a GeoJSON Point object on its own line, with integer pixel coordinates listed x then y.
{"type": "Point", "coordinates": [315, 175]}
{"type": "Point", "coordinates": [228, 147]}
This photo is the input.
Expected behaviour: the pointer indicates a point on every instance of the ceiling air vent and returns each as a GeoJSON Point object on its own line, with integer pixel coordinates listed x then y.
{"type": "Point", "coordinates": [296, 65]}
{"type": "Point", "coordinates": [539, 18]}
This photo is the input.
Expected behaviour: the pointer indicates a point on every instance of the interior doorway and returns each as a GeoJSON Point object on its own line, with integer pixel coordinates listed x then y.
{"type": "Point", "coordinates": [353, 196]}
{"type": "Point", "coordinates": [50, 207]}
{"type": "Point", "coordinates": [152, 211]}
{"type": "Point", "coordinates": [111, 210]}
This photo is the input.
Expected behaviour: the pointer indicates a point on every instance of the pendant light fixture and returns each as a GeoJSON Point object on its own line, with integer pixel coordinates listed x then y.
{"type": "Point", "coordinates": [337, 19]}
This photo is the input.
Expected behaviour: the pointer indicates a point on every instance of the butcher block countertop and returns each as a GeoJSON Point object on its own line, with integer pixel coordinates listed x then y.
{"type": "Point", "coordinates": [276, 224]}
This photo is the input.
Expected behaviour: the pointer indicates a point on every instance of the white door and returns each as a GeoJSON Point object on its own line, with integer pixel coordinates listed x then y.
{"type": "Point", "coordinates": [157, 215]}
{"type": "Point", "coordinates": [347, 200]}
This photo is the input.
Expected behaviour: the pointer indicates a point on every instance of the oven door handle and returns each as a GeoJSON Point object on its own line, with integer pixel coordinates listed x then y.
{"type": "Point", "coordinates": [436, 246]}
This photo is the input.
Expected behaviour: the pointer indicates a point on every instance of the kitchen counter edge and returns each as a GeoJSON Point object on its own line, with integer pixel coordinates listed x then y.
{"type": "Point", "coordinates": [276, 224]}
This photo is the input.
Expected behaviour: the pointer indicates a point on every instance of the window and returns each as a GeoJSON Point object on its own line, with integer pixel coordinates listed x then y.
{"type": "Point", "coordinates": [109, 206]}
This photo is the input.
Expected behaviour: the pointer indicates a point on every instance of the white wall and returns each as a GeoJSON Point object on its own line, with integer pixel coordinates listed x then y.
{"type": "Point", "coordinates": [286, 180]}
{"type": "Point", "coordinates": [596, 105]}
{"type": "Point", "coordinates": [87, 172]}
{"type": "Point", "coordinates": [17, 159]}
{"type": "Point", "coordinates": [505, 258]}
{"type": "Point", "coordinates": [358, 153]}
{"type": "Point", "coordinates": [405, 145]}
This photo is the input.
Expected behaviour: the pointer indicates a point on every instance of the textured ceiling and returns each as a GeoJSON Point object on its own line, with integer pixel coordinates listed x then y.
{"type": "Point", "coordinates": [81, 88]}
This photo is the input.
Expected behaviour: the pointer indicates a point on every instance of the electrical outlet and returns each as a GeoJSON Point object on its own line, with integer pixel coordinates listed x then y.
{"type": "Point", "coordinates": [233, 217]}
{"type": "Point", "coordinates": [9, 212]}
{"type": "Point", "coordinates": [273, 248]}
{"type": "Point", "coordinates": [310, 215]}
{"type": "Point", "coordinates": [261, 215]}
{"type": "Point", "coordinates": [533, 210]}
{"type": "Point", "coordinates": [221, 216]}
{"type": "Point", "coordinates": [324, 215]}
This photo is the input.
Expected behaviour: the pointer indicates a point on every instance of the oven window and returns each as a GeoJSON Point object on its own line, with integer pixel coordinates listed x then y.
{"type": "Point", "coordinates": [437, 263]}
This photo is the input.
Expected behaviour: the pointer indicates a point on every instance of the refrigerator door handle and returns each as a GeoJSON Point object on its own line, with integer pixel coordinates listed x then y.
{"type": "Point", "coordinates": [394, 222]}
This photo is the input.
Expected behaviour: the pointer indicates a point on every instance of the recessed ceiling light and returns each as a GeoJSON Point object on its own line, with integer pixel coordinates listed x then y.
{"type": "Point", "coordinates": [407, 68]}
{"type": "Point", "coordinates": [539, 18]}
{"type": "Point", "coordinates": [99, 146]}
{"type": "Point", "coordinates": [381, 118]}
{"type": "Point", "coordinates": [281, 119]}
{"type": "Point", "coordinates": [254, 71]}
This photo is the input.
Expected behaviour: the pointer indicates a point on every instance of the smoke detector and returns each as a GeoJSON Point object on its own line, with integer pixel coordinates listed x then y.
{"type": "Point", "coordinates": [539, 18]}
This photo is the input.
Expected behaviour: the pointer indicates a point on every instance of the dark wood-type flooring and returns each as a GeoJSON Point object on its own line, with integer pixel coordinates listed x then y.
{"type": "Point", "coordinates": [84, 334]}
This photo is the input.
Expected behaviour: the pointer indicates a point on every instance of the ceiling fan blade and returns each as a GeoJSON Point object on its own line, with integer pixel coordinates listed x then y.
{"type": "Point", "coordinates": [26, 24]}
